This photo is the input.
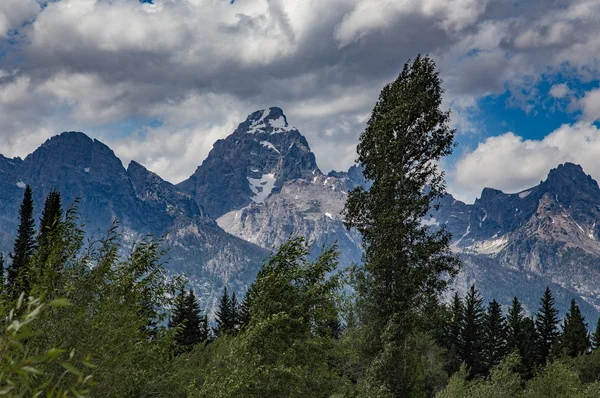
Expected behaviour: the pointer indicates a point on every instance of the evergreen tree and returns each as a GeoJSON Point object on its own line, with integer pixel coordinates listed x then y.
{"type": "Point", "coordinates": [18, 272]}
{"type": "Point", "coordinates": [193, 327]}
{"type": "Point", "coordinates": [2, 276]}
{"type": "Point", "coordinates": [224, 317]}
{"type": "Point", "coordinates": [472, 333]}
{"type": "Point", "coordinates": [51, 215]}
{"type": "Point", "coordinates": [244, 312]}
{"type": "Point", "coordinates": [235, 312]}
{"type": "Point", "coordinates": [529, 348]}
{"type": "Point", "coordinates": [596, 336]}
{"type": "Point", "coordinates": [514, 321]}
{"type": "Point", "coordinates": [546, 322]}
{"type": "Point", "coordinates": [522, 337]}
{"type": "Point", "coordinates": [452, 337]}
{"type": "Point", "coordinates": [494, 336]}
{"type": "Point", "coordinates": [404, 260]}
{"type": "Point", "coordinates": [574, 339]}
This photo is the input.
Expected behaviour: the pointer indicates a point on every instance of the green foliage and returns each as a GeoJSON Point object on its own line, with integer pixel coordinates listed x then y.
{"type": "Point", "coordinates": [574, 339]}
{"type": "Point", "coordinates": [225, 317]}
{"type": "Point", "coordinates": [404, 260]}
{"type": "Point", "coordinates": [546, 322]}
{"type": "Point", "coordinates": [596, 336]}
{"type": "Point", "coordinates": [24, 369]}
{"type": "Point", "coordinates": [283, 351]}
{"type": "Point", "coordinates": [472, 333]}
{"type": "Point", "coordinates": [18, 277]}
{"type": "Point", "coordinates": [191, 327]}
{"type": "Point", "coordinates": [494, 336]}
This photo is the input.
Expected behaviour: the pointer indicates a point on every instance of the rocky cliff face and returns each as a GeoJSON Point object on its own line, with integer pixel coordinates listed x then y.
{"type": "Point", "coordinates": [545, 235]}
{"type": "Point", "coordinates": [258, 158]}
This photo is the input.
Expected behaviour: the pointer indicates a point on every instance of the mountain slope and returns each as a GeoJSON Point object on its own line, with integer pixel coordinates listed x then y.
{"type": "Point", "coordinates": [82, 168]}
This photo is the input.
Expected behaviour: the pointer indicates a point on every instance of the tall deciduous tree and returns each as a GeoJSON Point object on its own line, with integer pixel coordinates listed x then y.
{"type": "Point", "coordinates": [24, 246]}
{"type": "Point", "coordinates": [546, 322]}
{"type": "Point", "coordinates": [405, 260]}
{"type": "Point", "coordinates": [574, 339]}
{"type": "Point", "coordinates": [494, 336]}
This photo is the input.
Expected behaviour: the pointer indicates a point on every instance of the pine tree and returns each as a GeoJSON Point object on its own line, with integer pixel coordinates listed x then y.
{"type": "Point", "coordinates": [596, 336]}
{"type": "Point", "coordinates": [452, 337]}
{"type": "Point", "coordinates": [529, 348]}
{"type": "Point", "coordinates": [494, 336]}
{"type": "Point", "coordinates": [472, 332]}
{"type": "Point", "coordinates": [224, 317]}
{"type": "Point", "coordinates": [2, 276]}
{"type": "Point", "coordinates": [193, 327]}
{"type": "Point", "coordinates": [546, 323]}
{"type": "Point", "coordinates": [404, 260]}
{"type": "Point", "coordinates": [18, 272]}
{"type": "Point", "coordinates": [50, 217]}
{"type": "Point", "coordinates": [522, 337]}
{"type": "Point", "coordinates": [574, 339]}
{"type": "Point", "coordinates": [244, 312]}
{"type": "Point", "coordinates": [235, 315]}
{"type": "Point", "coordinates": [514, 321]}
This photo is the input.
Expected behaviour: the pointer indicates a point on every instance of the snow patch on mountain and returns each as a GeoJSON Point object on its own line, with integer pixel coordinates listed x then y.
{"type": "Point", "coordinates": [262, 187]}
{"type": "Point", "coordinates": [269, 145]}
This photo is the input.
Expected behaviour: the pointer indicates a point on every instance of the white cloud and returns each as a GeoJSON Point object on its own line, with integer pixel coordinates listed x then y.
{"type": "Point", "coordinates": [560, 90]}
{"type": "Point", "coordinates": [590, 105]}
{"type": "Point", "coordinates": [200, 66]}
{"type": "Point", "coordinates": [14, 13]}
{"type": "Point", "coordinates": [510, 163]}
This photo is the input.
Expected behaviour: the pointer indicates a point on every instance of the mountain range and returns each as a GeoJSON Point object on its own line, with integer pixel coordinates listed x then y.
{"type": "Point", "coordinates": [262, 184]}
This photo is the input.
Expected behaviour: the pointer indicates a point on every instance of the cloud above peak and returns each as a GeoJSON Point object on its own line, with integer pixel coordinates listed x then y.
{"type": "Point", "coordinates": [133, 73]}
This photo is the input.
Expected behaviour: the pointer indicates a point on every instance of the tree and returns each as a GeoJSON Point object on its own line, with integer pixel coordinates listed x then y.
{"type": "Point", "coordinates": [494, 336]}
{"type": "Point", "coordinates": [452, 337]}
{"type": "Point", "coordinates": [244, 311]}
{"type": "Point", "coordinates": [404, 259]}
{"type": "Point", "coordinates": [514, 321]}
{"type": "Point", "coordinates": [192, 326]}
{"type": "Point", "coordinates": [225, 315]}
{"type": "Point", "coordinates": [472, 332]}
{"type": "Point", "coordinates": [574, 339]}
{"type": "Point", "coordinates": [281, 353]}
{"type": "Point", "coordinates": [18, 272]}
{"type": "Point", "coordinates": [51, 215]}
{"type": "Point", "coordinates": [2, 276]}
{"type": "Point", "coordinates": [522, 337]}
{"type": "Point", "coordinates": [596, 336]}
{"type": "Point", "coordinates": [546, 322]}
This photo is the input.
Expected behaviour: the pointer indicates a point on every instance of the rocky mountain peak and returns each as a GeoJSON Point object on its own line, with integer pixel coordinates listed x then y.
{"type": "Point", "coordinates": [254, 161]}
{"type": "Point", "coordinates": [271, 120]}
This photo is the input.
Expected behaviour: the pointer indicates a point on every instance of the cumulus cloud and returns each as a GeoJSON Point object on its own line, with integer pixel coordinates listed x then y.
{"type": "Point", "coordinates": [191, 70]}
{"type": "Point", "coordinates": [510, 163]}
{"type": "Point", "coordinates": [560, 90]}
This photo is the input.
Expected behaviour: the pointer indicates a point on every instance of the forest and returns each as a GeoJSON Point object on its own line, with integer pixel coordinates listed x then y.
{"type": "Point", "coordinates": [93, 317]}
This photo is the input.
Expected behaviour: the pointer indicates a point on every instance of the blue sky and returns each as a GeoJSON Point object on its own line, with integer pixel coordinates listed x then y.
{"type": "Point", "coordinates": [161, 81]}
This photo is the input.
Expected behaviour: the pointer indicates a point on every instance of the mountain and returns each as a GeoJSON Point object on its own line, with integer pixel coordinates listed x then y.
{"type": "Point", "coordinates": [257, 159]}
{"type": "Point", "coordinates": [516, 244]}
{"type": "Point", "coordinates": [82, 168]}
{"type": "Point", "coordinates": [262, 184]}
